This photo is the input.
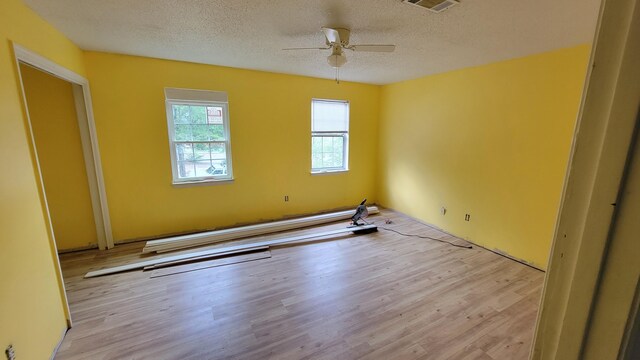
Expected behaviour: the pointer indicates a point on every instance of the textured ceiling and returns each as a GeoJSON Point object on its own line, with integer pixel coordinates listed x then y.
{"type": "Point", "coordinates": [250, 34]}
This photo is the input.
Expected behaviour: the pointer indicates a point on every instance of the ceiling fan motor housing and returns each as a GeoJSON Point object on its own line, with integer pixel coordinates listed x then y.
{"type": "Point", "coordinates": [343, 36]}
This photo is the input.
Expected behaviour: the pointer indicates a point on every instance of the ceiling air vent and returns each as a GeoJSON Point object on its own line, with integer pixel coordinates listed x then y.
{"type": "Point", "coordinates": [436, 6]}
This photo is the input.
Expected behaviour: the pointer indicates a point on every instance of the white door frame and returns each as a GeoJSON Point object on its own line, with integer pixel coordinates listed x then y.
{"type": "Point", "coordinates": [596, 173]}
{"type": "Point", "coordinates": [88, 136]}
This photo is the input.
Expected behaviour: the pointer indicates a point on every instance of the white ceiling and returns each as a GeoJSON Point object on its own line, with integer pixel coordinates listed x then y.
{"type": "Point", "coordinates": [250, 34]}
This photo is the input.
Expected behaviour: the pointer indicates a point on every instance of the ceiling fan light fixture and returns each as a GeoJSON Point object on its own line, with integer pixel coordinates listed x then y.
{"type": "Point", "coordinates": [336, 60]}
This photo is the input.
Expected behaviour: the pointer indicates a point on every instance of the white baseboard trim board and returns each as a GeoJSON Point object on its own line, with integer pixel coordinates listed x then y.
{"type": "Point", "coordinates": [239, 224]}
{"type": "Point", "coordinates": [212, 237]}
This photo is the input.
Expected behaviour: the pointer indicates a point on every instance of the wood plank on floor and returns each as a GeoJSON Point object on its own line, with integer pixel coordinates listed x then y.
{"type": "Point", "coordinates": [208, 264]}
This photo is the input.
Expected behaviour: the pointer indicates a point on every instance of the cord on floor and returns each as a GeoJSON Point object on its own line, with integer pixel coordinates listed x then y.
{"type": "Point", "coordinates": [419, 236]}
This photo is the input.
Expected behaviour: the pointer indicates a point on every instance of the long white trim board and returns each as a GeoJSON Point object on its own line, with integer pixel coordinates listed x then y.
{"type": "Point", "coordinates": [211, 237]}
{"type": "Point", "coordinates": [202, 258]}
{"type": "Point", "coordinates": [208, 264]}
{"type": "Point", "coordinates": [211, 253]}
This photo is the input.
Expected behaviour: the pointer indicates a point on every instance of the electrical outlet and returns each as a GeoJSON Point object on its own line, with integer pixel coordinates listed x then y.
{"type": "Point", "coordinates": [443, 210]}
{"type": "Point", "coordinates": [286, 198]}
{"type": "Point", "coordinates": [467, 217]}
{"type": "Point", "coordinates": [10, 352]}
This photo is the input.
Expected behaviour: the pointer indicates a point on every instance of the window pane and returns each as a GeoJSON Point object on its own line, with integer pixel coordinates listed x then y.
{"type": "Point", "coordinates": [316, 160]}
{"type": "Point", "coordinates": [184, 152]}
{"type": "Point", "coordinates": [218, 159]}
{"type": "Point", "coordinates": [214, 115]}
{"type": "Point", "coordinates": [339, 157]}
{"type": "Point", "coordinates": [327, 160]}
{"type": "Point", "coordinates": [316, 144]}
{"type": "Point", "coordinates": [215, 132]}
{"type": "Point", "coordinates": [186, 169]}
{"type": "Point", "coordinates": [189, 114]}
{"type": "Point", "coordinates": [329, 115]}
{"type": "Point", "coordinates": [327, 152]}
{"type": "Point", "coordinates": [201, 159]}
{"type": "Point", "coordinates": [215, 167]}
{"type": "Point", "coordinates": [218, 167]}
{"type": "Point", "coordinates": [193, 151]}
{"type": "Point", "coordinates": [198, 114]}
{"type": "Point", "coordinates": [182, 132]}
{"type": "Point", "coordinates": [180, 114]}
{"type": "Point", "coordinates": [200, 132]}
{"type": "Point", "coordinates": [338, 144]}
{"type": "Point", "coordinates": [327, 144]}
{"type": "Point", "coordinates": [202, 167]}
{"type": "Point", "coordinates": [201, 151]}
{"type": "Point", "coordinates": [218, 148]}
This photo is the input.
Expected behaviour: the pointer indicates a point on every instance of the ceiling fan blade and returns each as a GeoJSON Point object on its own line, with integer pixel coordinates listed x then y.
{"type": "Point", "coordinates": [372, 48]}
{"type": "Point", "coordinates": [332, 35]}
{"type": "Point", "coordinates": [313, 48]}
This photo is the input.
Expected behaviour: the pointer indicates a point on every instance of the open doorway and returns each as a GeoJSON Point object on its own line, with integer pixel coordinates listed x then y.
{"type": "Point", "coordinates": [56, 135]}
{"type": "Point", "coordinates": [62, 132]}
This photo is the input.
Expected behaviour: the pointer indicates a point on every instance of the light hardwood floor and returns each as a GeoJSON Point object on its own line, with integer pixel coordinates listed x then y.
{"type": "Point", "coordinates": [375, 296]}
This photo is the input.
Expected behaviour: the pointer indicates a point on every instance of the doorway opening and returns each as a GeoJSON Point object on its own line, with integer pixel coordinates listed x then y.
{"type": "Point", "coordinates": [65, 148]}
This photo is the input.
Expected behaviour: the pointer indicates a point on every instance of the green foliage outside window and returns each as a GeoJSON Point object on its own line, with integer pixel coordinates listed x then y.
{"type": "Point", "coordinates": [196, 133]}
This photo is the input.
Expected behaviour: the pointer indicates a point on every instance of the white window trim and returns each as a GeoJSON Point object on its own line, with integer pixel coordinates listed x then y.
{"type": "Point", "coordinates": [176, 96]}
{"type": "Point", "coordinates": [345, 143]}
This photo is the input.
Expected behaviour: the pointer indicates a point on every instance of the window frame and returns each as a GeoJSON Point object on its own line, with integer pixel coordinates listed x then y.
{"type": "Point", "coordinates": [332, 133]}
{"type": "Point", "coordinates": [184, 98]}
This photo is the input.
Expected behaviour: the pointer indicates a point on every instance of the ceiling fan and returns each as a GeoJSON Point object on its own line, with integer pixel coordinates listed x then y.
{"type": "Point", "coordinates": [337, 39]}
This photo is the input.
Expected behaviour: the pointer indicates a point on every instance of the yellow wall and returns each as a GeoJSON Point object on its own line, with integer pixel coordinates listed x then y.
{"type": "Point", "coordinates": [57, 136]}
{"type": "Point", "coordinates": [491, 141]}
{"type": "Point", "coordinates": [31, 310]}
{"type": "Point", "coordinates": [270, 138]}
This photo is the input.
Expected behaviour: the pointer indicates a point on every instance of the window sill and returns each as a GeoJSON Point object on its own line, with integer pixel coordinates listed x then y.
{"type": "Point", "coordinates": [202, 182]}
{"type": "Point", "coordinates": [329, 172]}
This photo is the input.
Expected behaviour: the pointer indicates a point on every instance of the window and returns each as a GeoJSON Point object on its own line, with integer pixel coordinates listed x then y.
{"type": "Point", "coordinates": [198, 123]}
{"type": "Point", "coordinates": [329, 135]}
